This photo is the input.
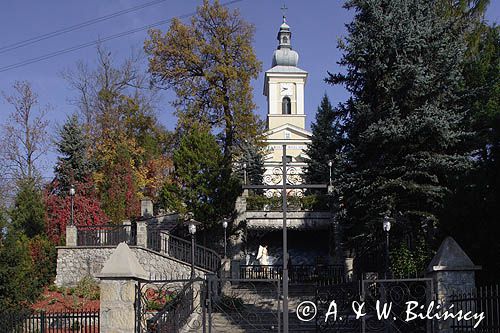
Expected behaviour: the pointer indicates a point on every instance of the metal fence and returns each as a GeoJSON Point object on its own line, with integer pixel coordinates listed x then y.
{"type": "Point", "coordinates": [167, 305]}
{"type": "Point", "coordinates": [179, 248]}
{"type": "Point", "coordinates": [319, 274]}
{"type": "Point", "coordinates": [105, 235]}
{"type": "Point", "coordinates": [24, 321]}
{"type": "Point", "coordinates": [483, 299]}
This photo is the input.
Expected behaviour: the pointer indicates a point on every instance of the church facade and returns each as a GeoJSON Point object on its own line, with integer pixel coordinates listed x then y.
{"type": "Point", "coordinates": [284, 88]}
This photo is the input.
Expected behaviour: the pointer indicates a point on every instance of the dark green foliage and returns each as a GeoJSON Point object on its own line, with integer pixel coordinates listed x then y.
{"type": "Point", "coordinates": [20, 277]}
{"type": "Point", "coordinates": [404, 125]}
{"type": "Point", "coordinates": [203, 183]}
{"type": "Point", "coordinates": [73, 165]}
{"type": "Point", "coordinates": [327, 143]}
{"type": "Point", "coordinates": [251, 155]}
{"type": "Point", "coordinates": [28, 214]}
{"type": "Point", "coordinates": [477, 199]}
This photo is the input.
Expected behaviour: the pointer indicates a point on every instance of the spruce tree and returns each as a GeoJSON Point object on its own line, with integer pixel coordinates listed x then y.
{"type": "Point", "coordinates": [405, 130]}
{"type": "Point", "coordinates": [253, 158]}
{"type": "Point", "coordinates": [326, 144]}
{"type": "Point", "coordinates": [28, 214]}
{"type": "Point", "coordinates": [73, 165]}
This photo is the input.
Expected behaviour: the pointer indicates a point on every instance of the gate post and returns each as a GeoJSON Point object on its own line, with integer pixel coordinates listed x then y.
{"type": "Point", "coordinates": [118, 291]}
{"type": "Point", "coordinates": [452, 272]}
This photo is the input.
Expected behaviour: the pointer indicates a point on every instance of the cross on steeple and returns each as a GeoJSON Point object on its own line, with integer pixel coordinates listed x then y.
{"type": "Point", "coordinates": [284, 8]}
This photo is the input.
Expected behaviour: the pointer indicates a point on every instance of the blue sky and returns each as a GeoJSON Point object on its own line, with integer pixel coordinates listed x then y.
{"type": "Point", "coordinates": [316, 26]}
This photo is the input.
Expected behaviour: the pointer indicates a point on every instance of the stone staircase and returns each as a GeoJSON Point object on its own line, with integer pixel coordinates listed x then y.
{"type": "Point", "coordinates": [253, 308]}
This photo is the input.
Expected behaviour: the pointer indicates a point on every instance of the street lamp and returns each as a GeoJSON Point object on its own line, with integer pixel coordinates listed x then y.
{"type": "Point", "coordinates": [245, 173]}
{"type": "Point", "coordinates": [224, 225]}
{"type": "Point", "coordinates": [72, 195]}
{"type": "Point", "coordinates": [191, 225]}
{"type": "Point", "coordinates": [386, 225]}
{"type": "Point", "coordinates": [330, 185]}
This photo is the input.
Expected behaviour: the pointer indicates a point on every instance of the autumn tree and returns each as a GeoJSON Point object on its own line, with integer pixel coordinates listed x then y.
{"type": "Point", "coordinates": [209, 64]}
{"type": "Point", "coordinates": [87, 209]}
{"type": "Point", "coordinates": [25, 139]}
{"type": "Point", "coordinates": [130, 146]}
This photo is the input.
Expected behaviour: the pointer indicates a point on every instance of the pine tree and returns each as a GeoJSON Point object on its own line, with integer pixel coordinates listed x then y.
{"type": "Point", "coordinates": [74, 165]}
{"type": "Point", "coordinates": [326, 145]}
{"type": "Point", "coordinates": [404, 66]}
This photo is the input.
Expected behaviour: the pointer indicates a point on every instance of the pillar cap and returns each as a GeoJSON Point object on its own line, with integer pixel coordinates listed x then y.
{"type": "Point", "coordinates": [451, 257]}
{"type": "Point", "coordinates": [122, 264]}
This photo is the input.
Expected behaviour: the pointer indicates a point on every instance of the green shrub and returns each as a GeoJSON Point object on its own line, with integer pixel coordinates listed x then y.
{"type": "Point", "coordinates": [87, 288]}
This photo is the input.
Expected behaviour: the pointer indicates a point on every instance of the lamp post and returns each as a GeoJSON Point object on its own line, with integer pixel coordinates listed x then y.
{"type": "Point", "coordinates": [72, 195]}
{"type": "Point", "coordinates": [244, 173]}
{"type": "Point", "coordinates": [386, 225]}
{"type": "Point", "coordinates": [224, 225]}
{"type": "Point", "coordinates": [191, 224]}
{"type": "Point", "coordinates": [330, 184]}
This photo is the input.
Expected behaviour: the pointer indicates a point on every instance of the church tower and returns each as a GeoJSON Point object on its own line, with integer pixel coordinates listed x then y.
{"type": "Point", "coordinates": [284, 85]}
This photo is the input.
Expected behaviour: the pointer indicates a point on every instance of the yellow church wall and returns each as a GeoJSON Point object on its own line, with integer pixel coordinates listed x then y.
{"type": "Point", "coordinates": [275, 121]}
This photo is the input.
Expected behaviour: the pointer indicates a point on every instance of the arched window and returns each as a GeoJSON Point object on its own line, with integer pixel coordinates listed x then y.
{"type": "Point", "coordinates": [285, 40]}
{"type": "Point", "coordinates": [286, 105]}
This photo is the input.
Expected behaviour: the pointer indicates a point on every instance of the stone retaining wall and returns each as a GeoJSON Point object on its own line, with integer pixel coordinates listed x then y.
{"type": "Point", "coordinates": [75, 263]}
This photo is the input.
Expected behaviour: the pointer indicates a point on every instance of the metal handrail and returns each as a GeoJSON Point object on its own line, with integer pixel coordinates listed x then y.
{"type": "Point", "coordinates": [164, 242]}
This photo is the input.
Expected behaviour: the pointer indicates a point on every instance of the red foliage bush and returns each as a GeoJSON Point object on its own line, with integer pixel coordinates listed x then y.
{"type": "Point", "coordinates": [87, 209]}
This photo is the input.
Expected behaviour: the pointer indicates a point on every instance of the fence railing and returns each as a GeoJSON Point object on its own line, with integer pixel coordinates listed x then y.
{"type": "Point", "coordinates": [175, 314]}
{"type": "Point", "coordinates": [482, 299]}
{"type": "Point", "coordinates": [179, 248]}
{"type": "Point", "coordinates": [105, 235]}
{"type": "Point", "coordinates": [86, 321]}
{"type": "Point", "coordinates": [323, 274]}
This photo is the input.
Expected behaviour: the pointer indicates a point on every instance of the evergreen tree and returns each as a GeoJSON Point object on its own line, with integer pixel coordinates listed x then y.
{"type": "Point", "coordinates": [28, 214]}
{"type": "Point", "coordinates": [251, 155]}
{"type": "Point", "coordinates": [404, 64]}
{"type": "Point", "coordinates": [326, 145]}
{"type": "Point", "coordinates": [74, 164]}
{"type": "Point", "coordinates": [478, 195]}
{"type": "Point", "coordinates": [201, 184]}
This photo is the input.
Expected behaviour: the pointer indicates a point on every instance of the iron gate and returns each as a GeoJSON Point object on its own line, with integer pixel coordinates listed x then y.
{"type": "Point", "coordinates": [208, 305]}
{"type": "Point", "coordinates": [394, 294]}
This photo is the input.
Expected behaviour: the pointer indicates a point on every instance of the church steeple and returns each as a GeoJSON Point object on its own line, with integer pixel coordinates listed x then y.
{"type": "Point", "coordinates": [284, 55]}
{"type": "Point", "coordinates": [284, 35]}
{"type": "Point", "coordinates": [284, 84]}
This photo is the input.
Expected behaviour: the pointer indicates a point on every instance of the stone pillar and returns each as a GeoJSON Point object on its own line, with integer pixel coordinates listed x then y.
{"type": "Point", "coordinates": [452, 271]}
{"type": "Point", "coordinates": [118, 280]}
{"type": "Point", "coordinates": [142, 234]}
{"type": "Point", "coordinates": [146, 207]}
{"type": "Point", "coordinates": [349, 268]}
{"type": "Point", "coordinates": [71, 235]}
{"type": "Point", "coordinates": [236, 241]}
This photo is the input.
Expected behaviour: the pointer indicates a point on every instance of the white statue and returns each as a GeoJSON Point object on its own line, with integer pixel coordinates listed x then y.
{"type": "Point", "coordinates": [262, 256]}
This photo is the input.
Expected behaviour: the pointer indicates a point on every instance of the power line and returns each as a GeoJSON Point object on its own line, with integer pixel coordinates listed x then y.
{"type": "Point", "coordinates": [59, 32]}
{"type": "Point", "coordinates": [95, 42]}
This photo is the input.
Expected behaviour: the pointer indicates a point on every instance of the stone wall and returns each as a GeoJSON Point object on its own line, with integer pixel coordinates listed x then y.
{"type": "Point", "coordinates": [295, 220]}
{"type": "Point", "coordinates": [75, 263]}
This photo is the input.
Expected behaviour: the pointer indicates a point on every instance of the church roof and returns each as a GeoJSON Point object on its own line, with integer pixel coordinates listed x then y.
{"type": "Point", "coordinates": [286, 69]}
{"type": "Point", "coordinates": [288, 127]}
